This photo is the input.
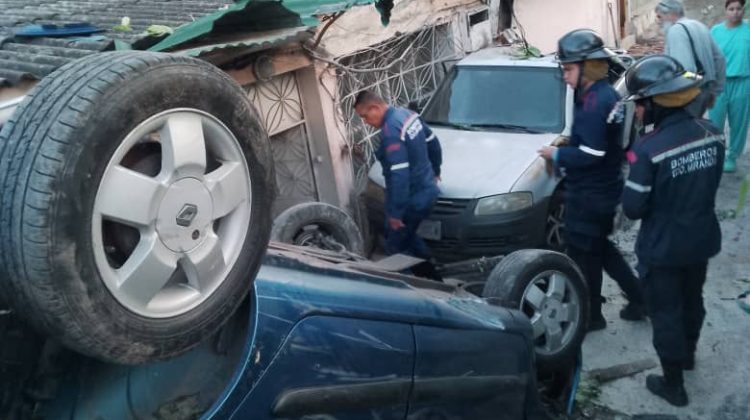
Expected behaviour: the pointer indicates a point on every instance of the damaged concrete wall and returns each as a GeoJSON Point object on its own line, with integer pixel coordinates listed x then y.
{"type": "Point", "coordinates": [339, 149]}
{"type": "Point", "coordinates": [642, 22]}
{"type": "Point", "coordinates": [360, 28]}
{"type": "Point", "coordinates": [545, 21]}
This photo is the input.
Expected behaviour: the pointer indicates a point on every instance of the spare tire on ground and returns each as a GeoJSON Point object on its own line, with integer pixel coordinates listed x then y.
{"type": "Point", "coordinates": [136, 191]}
{"type": "Point", "coordinates": [318, 225]}
{"type": "Point", "coordinates": [549, 288]}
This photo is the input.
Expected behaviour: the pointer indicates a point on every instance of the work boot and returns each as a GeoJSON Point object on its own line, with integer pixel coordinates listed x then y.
{"type": "Point", "coordinates": [670, 386]}
{"type": "Point", "coordinates": [597, 322]}
{"type": "Point", "coordinates": [632, 312]}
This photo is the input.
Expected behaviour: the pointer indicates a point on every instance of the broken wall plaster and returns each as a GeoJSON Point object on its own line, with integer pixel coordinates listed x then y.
{"type": "Point", "coordinates": [360, 27]}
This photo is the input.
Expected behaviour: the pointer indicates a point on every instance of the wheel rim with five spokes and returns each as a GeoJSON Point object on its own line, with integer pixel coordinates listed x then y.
{"type": "Point", "coordinates": [172, 213]}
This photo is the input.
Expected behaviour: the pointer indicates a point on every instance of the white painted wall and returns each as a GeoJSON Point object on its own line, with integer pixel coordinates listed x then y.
{"type": "Point", "coordinates": [545, 21]}
{"type": "Point", "coordinates": [341, 159]}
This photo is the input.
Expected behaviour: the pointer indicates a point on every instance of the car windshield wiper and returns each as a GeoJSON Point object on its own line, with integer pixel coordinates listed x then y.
{"type": "Point", "coordinates": [457, 126]}
{"type": "Point", "coordinates": [508, 127]}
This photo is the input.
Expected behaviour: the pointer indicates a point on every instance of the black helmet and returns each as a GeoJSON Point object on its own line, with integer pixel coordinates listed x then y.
{"type": "Point", "coordinates": [656, 75]}
{"type": "Point", "coordinates": [581, 45]}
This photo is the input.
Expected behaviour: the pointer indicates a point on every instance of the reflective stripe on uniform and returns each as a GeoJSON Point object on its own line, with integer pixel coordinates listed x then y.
{"type": "Point", "coordinates": [637, 187]}
{"type": "Point", "coordinates": [409, 121]}
{"type": "Point", "coordinates": [431, 138]}
{"type": "Point", "coordinates": [399, 166]}
{"type": "Point", "coordinates": [688, 146]}
{"type": "Point", "coordinates": [593, 152]}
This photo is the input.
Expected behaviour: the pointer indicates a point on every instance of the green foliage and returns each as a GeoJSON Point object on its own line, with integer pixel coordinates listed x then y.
{"type": "Point", "coordinates": [588, 393]}
{"type": "Point", "coordinates": [527, 51]}
{"type": "Point", "coordinates": [124, 25]}
{"type": "Point", "coordinates": [744, 190]}
{"type": "Point", "coordinates": [158, 30]}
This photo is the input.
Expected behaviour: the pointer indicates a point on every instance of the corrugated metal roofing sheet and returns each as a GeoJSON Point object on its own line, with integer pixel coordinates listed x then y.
{"type": "Point", "coordinates": [258, 15]}
{"type": "Point", "coordinates": [265, 23]}
{"type": "Point", "coordinates": [23, 58]}
{"type": "Point", "coordinates": [105, 13]}
{"type": "Point", "coordinates": [256, 41]}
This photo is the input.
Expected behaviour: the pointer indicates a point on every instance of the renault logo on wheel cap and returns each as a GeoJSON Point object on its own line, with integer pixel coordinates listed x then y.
{"type": "Point", "coordinates": [187, 214]}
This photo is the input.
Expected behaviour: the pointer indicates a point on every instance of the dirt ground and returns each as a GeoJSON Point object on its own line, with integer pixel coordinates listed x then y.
{"type": "Point", "coordinates": [718, 388]}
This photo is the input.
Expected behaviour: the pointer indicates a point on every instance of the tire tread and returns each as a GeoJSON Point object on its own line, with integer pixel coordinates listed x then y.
{"type": "Point", "coordinates": [33, 154]}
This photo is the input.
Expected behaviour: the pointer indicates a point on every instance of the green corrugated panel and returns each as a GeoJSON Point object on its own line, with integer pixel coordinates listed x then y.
{"type": "Point", "coordinates": [255, 41]}
{"type": "Point", "coordinates": [259, 15]}
{"type": "Point", "coordinates": [308, 9]}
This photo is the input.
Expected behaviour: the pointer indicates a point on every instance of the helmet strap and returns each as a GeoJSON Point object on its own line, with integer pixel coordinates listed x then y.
{"type": "Point", "coordinates": [655, 113]}
{"type": "Point", "coordinates": [578, 92]}
{"type": "Point", "coordinates": [649, 114]}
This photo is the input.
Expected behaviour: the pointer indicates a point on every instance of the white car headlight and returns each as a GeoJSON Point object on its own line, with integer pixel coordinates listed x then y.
{"type": "Point", "coordinates": [503, 203]}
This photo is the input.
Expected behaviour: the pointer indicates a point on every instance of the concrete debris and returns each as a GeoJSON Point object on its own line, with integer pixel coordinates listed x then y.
{"type": "Point", "coordinates": [622, 370]}
{"type": "Point", "coordinates": [647, 47]}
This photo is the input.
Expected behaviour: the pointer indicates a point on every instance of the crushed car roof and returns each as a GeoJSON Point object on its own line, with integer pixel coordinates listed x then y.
{"type": "Point", "coordinates": [506, 56]}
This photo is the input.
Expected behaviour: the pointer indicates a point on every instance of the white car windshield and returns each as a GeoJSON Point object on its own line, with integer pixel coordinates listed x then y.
{"type": "Point", "coordinates": [500, 97]}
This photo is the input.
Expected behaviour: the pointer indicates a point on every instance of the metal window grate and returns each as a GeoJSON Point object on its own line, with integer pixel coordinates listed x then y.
{"type": "Point", "coordinates": [409, 68]}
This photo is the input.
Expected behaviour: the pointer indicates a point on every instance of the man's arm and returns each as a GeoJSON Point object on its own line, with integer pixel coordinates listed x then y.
{"type": "Point", "coordinates": [396, 159]}
{"type": "Point", "coordinates": [678, 47]}
{"type": "Point", "coordinates": [636, 198]}
{"type": "Point", "coordinates": [720, 64]}
{"type": "Point", "coordinates": [593, 141]}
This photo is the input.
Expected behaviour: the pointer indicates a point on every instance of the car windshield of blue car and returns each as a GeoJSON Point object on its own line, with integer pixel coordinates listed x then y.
{"type": "Point", "coordinates": [505, 98]}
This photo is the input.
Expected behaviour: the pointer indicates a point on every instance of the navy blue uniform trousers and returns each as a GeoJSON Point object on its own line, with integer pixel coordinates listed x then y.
{"type": "Point", "coordinates": [675, 300]}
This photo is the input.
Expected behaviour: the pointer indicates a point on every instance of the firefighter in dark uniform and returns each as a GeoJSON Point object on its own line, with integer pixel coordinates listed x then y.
{"type": "Point", "coordinates": [674, 174]}
{"type": "Point", "coordinates": [411, 156]}
{"type": "Point", "coordinates": [592, 163]}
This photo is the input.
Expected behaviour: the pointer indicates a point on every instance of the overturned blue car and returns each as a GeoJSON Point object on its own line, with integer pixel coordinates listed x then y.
{"type": "Point", "coordinates": [136, 279]}
{"type": "Point", "coordinates": [325, 336]}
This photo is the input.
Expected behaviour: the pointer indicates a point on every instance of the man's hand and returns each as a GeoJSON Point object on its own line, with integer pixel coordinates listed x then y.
{"type": "Point", "coordinates": [561, 141]}
{"type": "Point", "coordinates": [395, 224]}
{"type": "Point", "coordinates": [711, 101]}
{"type": "Point", "coordinates": [547, 152]}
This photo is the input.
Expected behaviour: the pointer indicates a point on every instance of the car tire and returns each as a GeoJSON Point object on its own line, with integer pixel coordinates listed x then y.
{"type": "Point", "coordinates": [319, 225]}
{"type": "Point", "coordinates": [369, 236]}
{"type": "Point", "coordinates": [102, 247]}
{"type": "Point", "coordinates": [549, 288]}
{"type": "Point", "coordinates": [554, 230]}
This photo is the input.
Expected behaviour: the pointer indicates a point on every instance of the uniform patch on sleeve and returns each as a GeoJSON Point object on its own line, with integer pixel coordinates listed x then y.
{"type": "Point", "coordinates": [393, 147]}
{"type": "Point", "coordinates": [617, 115]}
{"type": "Point", "coordinates": [631, 156]}
{"type": "Point", "coordinates": [414, 129]}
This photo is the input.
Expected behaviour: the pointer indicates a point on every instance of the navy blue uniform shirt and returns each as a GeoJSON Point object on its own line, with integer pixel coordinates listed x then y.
{"type": "Point", "coordinates": [674, 174]}
{"type": "Point", "coordinates": [592, 163]}
{"type": "Point", "coordinates": [411, 156]}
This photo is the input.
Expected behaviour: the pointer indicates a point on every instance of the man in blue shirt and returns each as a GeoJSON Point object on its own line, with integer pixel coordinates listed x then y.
{"type": "Point", "coordinates": [593, 182]}
{"type": "Point", "coordinates": [675, 172]}
{"type": "Point", "coordinates": [411, 156]}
